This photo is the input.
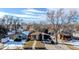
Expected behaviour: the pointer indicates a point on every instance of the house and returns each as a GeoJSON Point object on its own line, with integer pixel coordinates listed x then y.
{"type": "Point", "coordinates": [76, 34]}
{"type": "Point", "coordinates": [41, 37]}
{"type": "Point", "coordinates": [34, 36]}
{"type": "Point", "coordinates": [65, 36]}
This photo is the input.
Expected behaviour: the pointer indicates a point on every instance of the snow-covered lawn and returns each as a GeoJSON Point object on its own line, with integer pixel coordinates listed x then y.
{"type": "Point", "coordinates": [5, 40]}
{"type": "Point", "coordinates": [14, 45]}
{"type": "Point", "coordinates": [74, 43]}
{"type": "Point", "coordinates": [11, 44]}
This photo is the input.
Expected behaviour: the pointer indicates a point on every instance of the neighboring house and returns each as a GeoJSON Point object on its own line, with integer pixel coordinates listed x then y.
{"type": "Point", "coordinates": [65, 36]}
{"type": "Point", "coordinates": [76, 34]}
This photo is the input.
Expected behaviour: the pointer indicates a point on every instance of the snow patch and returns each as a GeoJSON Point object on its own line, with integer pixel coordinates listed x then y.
{"type": "Point", "coordinates": [74, 42]}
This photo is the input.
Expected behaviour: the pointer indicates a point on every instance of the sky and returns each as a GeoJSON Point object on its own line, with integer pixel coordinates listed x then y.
{"type": "Point", "coordinates": [29, 14]}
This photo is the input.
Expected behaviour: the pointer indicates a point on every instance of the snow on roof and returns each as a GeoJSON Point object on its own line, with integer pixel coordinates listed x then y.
{"type": "Point", "coordinates": [26, 32]}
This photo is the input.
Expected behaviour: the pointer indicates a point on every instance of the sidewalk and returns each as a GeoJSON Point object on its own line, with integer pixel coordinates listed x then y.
{"type": "Point", "coordinates": [57, 47]}
{"type": "Point", "coordinates": [34, 45]}
{"type": "Point", "coordinates": [60, 46]}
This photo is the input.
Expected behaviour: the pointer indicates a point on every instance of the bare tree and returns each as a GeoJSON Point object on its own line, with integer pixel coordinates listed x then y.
{"type": "Point", "coordinates": [72, 18]}
{"type": "Point", "coordinates": [59, 18]}
{"type": "Point", "coordinates": [3, 21]}
{"type": "Point", "coordinates": [11, 20]}
{"type": "Point", "coordinates": [55, 18]}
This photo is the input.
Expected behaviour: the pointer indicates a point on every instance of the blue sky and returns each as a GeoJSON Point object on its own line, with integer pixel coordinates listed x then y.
{"type": "Point", "coordinates": [30, 14]}
{"type": "Point", "coordinates": [19, 10]}
{"type": "Point", "coordinates": [12, 10]}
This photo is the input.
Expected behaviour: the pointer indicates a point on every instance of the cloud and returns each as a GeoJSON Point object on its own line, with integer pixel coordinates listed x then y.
{"type": "Point", "coordinates": [33, 12]}
{"type": "Point", "coordinates": [2, 14]}
{"type": "Point", "coordinates": [30, 15]}
{"type": "Point", "coordinates": [36, 15]}
{"type": "Point", "coordinates": [12, 14]}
